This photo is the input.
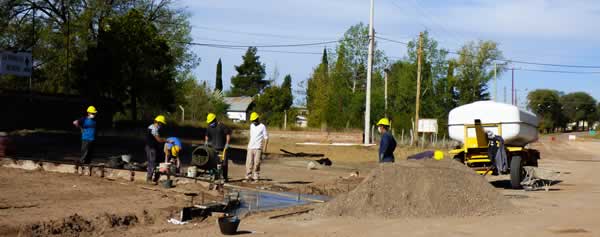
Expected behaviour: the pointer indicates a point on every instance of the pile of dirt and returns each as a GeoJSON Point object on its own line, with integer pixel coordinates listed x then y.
{"type": "Point", "coordinates": [426, 188]}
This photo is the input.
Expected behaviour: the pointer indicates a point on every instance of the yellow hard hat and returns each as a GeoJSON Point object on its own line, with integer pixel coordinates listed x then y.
{"type": "Point", "coordinates": [92, 110]}
{"type": "Point", "coordinates": [384, 121]}
{"type": "Point", "coordinates": [254, 116]}
{"type": "Point", "coordinates": [160, 119]}
{"type": "Point", "coordinates": [438, 155]}
{"type": "Point", "coordinates": [210, 117]}
{"type": "Point", "coordinates": [175, 150]}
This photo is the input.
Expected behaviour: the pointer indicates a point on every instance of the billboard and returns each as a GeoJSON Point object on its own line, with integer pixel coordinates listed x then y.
{"type": "Point", "coordinates": [428, 125]}
{"type": "Point", "coordinates": [15, 63]}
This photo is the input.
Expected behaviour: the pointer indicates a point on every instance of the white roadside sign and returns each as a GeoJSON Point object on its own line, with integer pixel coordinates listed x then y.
{"type": "Point", "coordinates": [15, 63]}
{"type": "Point", "coordinates": [428, 125]}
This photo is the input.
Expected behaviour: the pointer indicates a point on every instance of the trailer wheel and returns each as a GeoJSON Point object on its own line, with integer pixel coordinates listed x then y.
{"type": "Point", "coordinates": [459, 158]}
{"type": "Point", "coordinates": [516, 172]}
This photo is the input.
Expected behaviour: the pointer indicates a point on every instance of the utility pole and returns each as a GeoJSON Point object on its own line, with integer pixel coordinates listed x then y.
{"type": "Point", "coordinates": [513, 86]}
{"type": "Point", "coordinates": [516, 97]}
{"type": "Point", "coordinates": [418, 99]}
{"type": "Point", "coordinates": [385, 82]}
{"type": "Point", "coordinates": [369, 72]}
{"type": "Point", "coordinates": [505, 95]}
{"type": "Point", "coordinates": [495, 82]}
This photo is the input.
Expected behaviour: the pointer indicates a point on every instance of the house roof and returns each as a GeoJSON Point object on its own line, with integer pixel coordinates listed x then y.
{"type": "Point", "coordinates": [238, 104]}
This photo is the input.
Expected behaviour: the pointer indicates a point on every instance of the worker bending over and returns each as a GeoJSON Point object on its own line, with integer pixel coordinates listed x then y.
{"type": "Point", "coordinates": [153, 144]}
{"type": "Point", "coordinates": [87, 125]}
{"type": "Point", "coordinates": [388, 143]}
{"type": "Point", "coordinates": [172, 150]}
{"type": "Point", "coordinates": [218, 136]}
{"type": "Point", "coordinates": [258, 139]}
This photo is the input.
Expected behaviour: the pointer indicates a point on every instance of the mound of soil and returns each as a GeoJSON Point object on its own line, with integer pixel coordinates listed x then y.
{"type": "Point", "coordinates": [426, 188]}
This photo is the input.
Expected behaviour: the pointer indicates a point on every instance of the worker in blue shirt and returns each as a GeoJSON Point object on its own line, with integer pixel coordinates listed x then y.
{"type": "Point", "coordinates": [388, 143]}
{"type": "Point", "coordinates": [172, 150]}
{"type": "Point", "coordinates": [88, 133]}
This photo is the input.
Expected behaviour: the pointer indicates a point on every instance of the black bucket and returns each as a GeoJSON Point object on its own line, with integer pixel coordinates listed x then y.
{"type": "Point", "coordinates": [167, 183]}
{"type": "Point", "coordinates": [229, 225]}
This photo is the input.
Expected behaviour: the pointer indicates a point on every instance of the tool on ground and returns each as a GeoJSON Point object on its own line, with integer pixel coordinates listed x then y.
{"type": "Point", "coordinates": [301, 154]}
{"type": "Point", "coordinates": [536, 178]}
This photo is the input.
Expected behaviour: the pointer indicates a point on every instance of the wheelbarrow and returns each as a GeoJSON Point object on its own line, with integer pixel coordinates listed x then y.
{"type": "Point", "coordinates": [536, 178]}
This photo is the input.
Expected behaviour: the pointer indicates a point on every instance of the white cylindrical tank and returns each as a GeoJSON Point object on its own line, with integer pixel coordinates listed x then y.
{"type": "Point", "coordinates": [518, 127]}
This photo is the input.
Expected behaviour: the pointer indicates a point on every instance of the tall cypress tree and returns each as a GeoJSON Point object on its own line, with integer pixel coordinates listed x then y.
{"type": "Point", "coordinates": [249, 80]}
{"type": "Point", "coordinates": [219, 83]}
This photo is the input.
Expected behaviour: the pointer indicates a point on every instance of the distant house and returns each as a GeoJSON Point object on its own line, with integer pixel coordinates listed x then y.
{"type": "Point", "coordinates": [239, 108]}
{"type": "Point", "coordinates": [301, 117]}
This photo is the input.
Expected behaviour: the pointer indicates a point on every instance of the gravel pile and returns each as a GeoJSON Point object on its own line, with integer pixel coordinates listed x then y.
{"type": "Point", "coordinates": [426, 188]}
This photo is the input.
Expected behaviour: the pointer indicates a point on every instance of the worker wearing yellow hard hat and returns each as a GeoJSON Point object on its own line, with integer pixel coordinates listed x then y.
{"type": "Point", "coordinates": [172, 149]}
{"type": "Point", "coordinates": [87, 125]}
{"type": "Point", "coordinates": [388, 143]}
{"type": "Point", "coordinates": [257, 145]}
{"type": "Point", "coordinates": [218, 136]}
{"type": "Point", "coordinates": [153, 145]}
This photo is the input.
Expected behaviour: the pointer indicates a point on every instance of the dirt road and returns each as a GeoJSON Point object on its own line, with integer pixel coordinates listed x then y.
{"type": "Point", "coordinates": [569, 209]}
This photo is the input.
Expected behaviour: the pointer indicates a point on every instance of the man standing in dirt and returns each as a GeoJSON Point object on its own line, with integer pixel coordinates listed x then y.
{"type": "Point", "coordinates": [258, 138]}
{"type": "Point", "coordinates": [88, 133]}
{"type": "Point", "coordinates": [218, 136]}
{"type": "Point", "coordinates": [153, 145]}
{"type": "Point", "coordinates": [388, 143]}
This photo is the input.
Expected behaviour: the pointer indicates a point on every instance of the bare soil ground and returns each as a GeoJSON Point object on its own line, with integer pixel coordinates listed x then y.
{"type": "Point", "coordinates": [45, 203]}
{"type": "Point", "coordinates": [568, 209]}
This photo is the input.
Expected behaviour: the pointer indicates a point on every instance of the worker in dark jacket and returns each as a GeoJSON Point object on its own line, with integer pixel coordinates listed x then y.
{"type": "Point", "coordinates": [388, 143]}
{"type": "Point", "coordinates": [218, 136]}
{"type": "Point", "coordinates": [88, 134]}
{"type": "Point", "coordinates": [153, 145]}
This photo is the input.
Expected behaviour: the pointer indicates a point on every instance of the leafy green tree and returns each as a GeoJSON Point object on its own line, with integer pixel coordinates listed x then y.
{"type": "Point", "coordinates": [317, 93]}
{"type": "Point", "coordinates": [474, 69]}
{"type": "Point", "coordinates": [286, 86]}
{"type": "Point", "coordinates": [132, 63]}
{"type": "Point", "coordinates": [275, 101]}
{"type": "Point", "coordinates": [356, 46]}
{"type": "Point", "coordinates": [249, 80]}
{"type": "Point", "coordinates": [578, 107]}
{"type": "Point", "coordinates": [432, 55]}
{"type": "Point", "coordinates": [546, 105]}
{"type": "Point", "coordinates": [219, 82]}
{"type": "Point", "coordinates": [64, 30]}
{"type": "Point", "coordinates": [201, 101]}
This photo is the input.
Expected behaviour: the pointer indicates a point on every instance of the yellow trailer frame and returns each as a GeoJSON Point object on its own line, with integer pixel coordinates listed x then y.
{"type": "Point", "coordinates": [474, 153]}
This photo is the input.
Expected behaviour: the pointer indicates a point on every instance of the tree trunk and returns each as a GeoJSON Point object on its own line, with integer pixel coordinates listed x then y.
{"type": "Point", "coordinates": [133, 105]}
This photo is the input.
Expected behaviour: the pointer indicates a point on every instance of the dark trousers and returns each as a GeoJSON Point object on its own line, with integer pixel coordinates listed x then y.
{"type": "Point", "coordinates": [86, 150]}
{"type": "Point", "coordinates": [388, 159]}
{"type": "Point", "coordinates": [151, 156]}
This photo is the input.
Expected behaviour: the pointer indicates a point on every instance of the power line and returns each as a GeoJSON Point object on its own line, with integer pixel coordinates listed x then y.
{"type": "Point", "coordinates": [264, 46]}
{"type": "Point", "coordinates": [554, 71]}
{"type": "Point", "coordinates": [504, 60]}
{"type": "Point", "coordinates": [270, 51]}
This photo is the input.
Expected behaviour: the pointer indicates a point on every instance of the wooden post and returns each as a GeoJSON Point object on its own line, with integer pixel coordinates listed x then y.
{"type": "Point", "coordinates": [418, 99]}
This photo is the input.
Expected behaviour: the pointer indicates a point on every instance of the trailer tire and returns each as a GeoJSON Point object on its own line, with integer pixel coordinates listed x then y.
{"type": "Point", "coordinates": [459, 159]}
{"type": "Point", "coordinates": [516, 172]}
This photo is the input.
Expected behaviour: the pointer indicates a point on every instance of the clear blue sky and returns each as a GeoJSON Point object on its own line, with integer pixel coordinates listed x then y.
{"type": "Point", "coordinates": [547, 31]}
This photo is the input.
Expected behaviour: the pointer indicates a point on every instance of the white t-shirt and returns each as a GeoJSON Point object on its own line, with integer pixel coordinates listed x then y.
{"type": "Point", "coordinates": [258, 133]}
